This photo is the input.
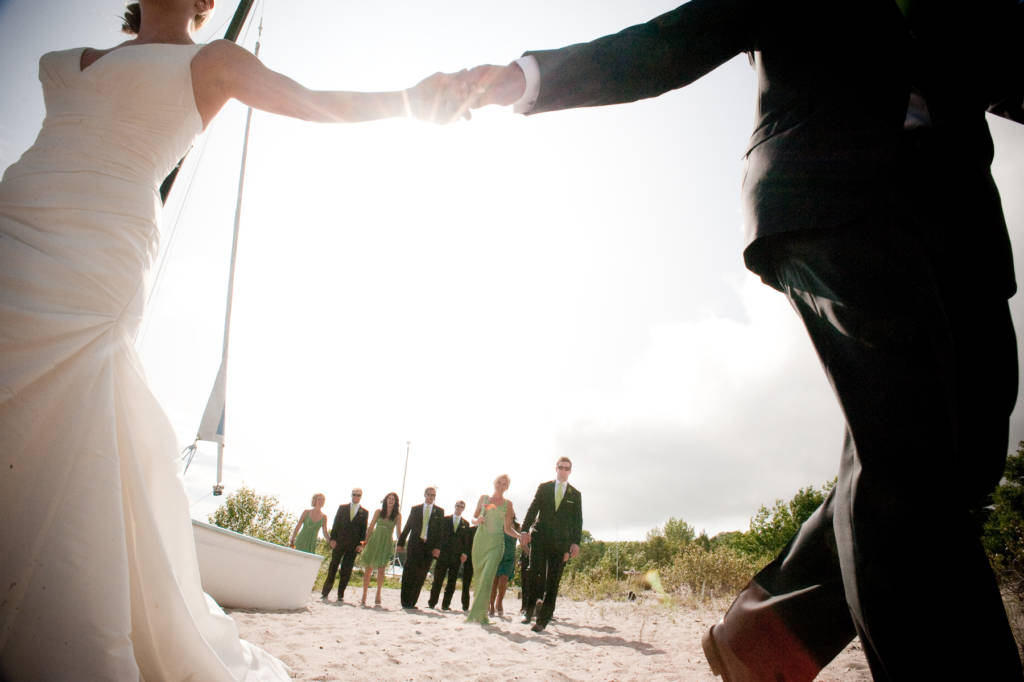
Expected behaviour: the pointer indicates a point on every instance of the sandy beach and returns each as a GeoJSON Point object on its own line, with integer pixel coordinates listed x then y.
{"type": "Point", "coordinates": [641, 640]}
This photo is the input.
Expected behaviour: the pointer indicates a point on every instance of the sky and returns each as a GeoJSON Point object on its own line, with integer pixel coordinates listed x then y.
{"type": "Point", "coordinates": [486, 296]}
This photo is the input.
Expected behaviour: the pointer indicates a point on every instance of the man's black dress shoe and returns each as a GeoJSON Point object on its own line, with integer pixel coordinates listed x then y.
{"type": "Point", "coordinates": [538, 627]}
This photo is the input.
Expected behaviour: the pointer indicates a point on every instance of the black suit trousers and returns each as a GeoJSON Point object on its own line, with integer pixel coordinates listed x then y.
{"type": "Point", "coordinates": [414, 573]}
{"type": "Point", "coordinates": [920, 351]}
{"type": "Point", "coordinates": [344, 557]}
{"type": "Point", "coordinates": [446, 570]}
{"type": "Point", "coordinates": [542, 578]}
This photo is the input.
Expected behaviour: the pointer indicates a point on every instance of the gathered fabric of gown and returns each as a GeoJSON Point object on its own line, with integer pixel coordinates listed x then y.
{"type": "Point", "coordinates": [306, 539]}
{"type": "Point", "coordinates": [380, 548]}
{"type": "Point", "coordinates": [488, 548]}
{"type": "Point", "coordinates": [97, 558]}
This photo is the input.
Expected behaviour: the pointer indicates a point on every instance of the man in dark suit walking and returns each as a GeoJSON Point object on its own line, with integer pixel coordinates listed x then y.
{"type": "Point", "coordinates": [348, 531]}
{"type": "Point", "coordinates": [467, 566]}
{"type": "Point", "coordinates": [453, 555]}
{"type": "Point", "coordinates": [869, 202]}
{"type": "Point", "coordinates": [424, 530]}
{"type": "Point", "coordinates": [552, 528]}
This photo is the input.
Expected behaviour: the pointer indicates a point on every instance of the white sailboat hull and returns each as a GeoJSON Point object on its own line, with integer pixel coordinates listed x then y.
{"type": "Point", "coordinates": [243, 572]}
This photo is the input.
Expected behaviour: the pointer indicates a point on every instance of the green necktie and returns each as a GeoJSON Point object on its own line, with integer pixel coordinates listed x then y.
{"type": "Point", "coordinates": [559, 494]}
{"type": "Point", "coordinates": [423, 531]}
{"type": "Point", "coordinates": [351, 513]}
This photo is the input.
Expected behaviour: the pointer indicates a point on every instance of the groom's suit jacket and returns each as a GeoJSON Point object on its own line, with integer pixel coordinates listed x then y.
{"type": "Point", "coordinates": [415, 523]}
{"type": "Point", "coordinates": [555, 529]}
{"type": "Point", "coordinates": [349, 532]}
{"type": "Point", "coordinates": [453, 540]}
{"type": "Point", "coordinates": [834, 79]}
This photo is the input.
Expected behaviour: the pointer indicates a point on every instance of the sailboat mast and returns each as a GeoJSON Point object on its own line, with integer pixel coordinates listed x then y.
{"type": "Point", "coordinates": [219, 485]}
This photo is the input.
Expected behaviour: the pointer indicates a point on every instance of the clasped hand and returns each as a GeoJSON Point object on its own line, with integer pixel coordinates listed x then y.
{"type": "Point", "coordinates": [446, 97]}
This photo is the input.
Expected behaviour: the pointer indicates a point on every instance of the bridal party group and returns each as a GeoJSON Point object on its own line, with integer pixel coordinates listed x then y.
{"type": "Point", "coordinates": [482, 547]}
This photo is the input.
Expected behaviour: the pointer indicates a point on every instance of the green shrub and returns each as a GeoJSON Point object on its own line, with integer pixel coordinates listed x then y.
{"type": "Point", "coordinates": [258, 516]}
{"type": "Point", "coordinates": [1004, 528]}
{"type": "Point", "coordinates": [711, 573]}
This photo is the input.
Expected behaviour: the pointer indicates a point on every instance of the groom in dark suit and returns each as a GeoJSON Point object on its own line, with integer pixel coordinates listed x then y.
{"type": "Point", "coordinates": [869, 202]}
{"type": "Point", "coordinates": [557, 509]}
{"type": "Point", "coordinates": [424, 529]}
{"type": "Point", "coordinates": [453, 556]}
{"type": "Point", "coordinates": [348, 531]}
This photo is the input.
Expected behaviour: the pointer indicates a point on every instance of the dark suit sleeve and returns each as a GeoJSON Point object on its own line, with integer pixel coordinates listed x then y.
{"type": "Point", "coordinates": [436, 531]}
{"type": "Point", "coordinates": [1007, 69]}
{"type": "Point", "coordinates": [409, 524]}
{"type": "Point", "coordinates": [648, 59]}
{"type": "Point", "coordinates": [363, 516]}
{"type": "Point", "coordinates": [534, 509]}
{"type": "Point", "coordinates": [336, 528]}
{"type": "Point", "coordinates": [446, 532]}
{"type": "Point", "coordinates": [576, 534]}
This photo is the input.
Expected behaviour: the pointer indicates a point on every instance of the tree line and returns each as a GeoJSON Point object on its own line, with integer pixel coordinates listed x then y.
{"type": "Point", "coordinates": [674, 558]}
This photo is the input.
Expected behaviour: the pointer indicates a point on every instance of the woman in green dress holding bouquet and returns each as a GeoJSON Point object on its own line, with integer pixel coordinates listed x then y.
{"type": "Point", "coordinates": [380, 548]}
{"type": "Point", "coordinates": [493, 517]}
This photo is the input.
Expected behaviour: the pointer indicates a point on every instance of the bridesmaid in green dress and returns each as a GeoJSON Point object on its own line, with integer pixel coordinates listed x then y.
{"type": "Point", "coordinates": [380, 548]}
{"type": "Point", "coordinates": [494, 516]}
{"type": "Point", "coordinates": [310, 521]}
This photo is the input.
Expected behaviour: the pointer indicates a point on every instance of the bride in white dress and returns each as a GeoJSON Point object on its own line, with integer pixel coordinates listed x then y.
{"type": "Point", "coordinates": [97, 563]}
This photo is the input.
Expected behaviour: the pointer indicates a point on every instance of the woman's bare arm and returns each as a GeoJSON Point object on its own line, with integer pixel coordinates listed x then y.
{"type": "Point", "coordinates": [222, 70]}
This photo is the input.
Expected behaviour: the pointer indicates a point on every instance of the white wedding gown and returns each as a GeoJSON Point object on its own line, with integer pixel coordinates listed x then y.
{"type": "Point", "coordinates": [98, 573]}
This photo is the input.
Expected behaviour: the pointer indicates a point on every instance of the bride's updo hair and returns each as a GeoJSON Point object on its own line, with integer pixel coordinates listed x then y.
{"type": "Point", "coordinates": [132, 19]}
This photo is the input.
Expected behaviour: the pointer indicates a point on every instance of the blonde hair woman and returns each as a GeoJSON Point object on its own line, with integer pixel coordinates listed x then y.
{"type": "Point", "coordinates": [309, 521]}
{"type": "Point", "coordinates": [493, 516]}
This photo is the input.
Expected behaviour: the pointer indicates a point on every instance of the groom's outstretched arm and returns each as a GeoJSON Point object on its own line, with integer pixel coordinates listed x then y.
{"type": "Point", "coordinates": [532, 511]}
{"type": "Point", "coordinates": [646, 60]}
{"type": "Point", "coordinates": [408, 525]}
{"type": "Point", "coordinates": [337, 525]}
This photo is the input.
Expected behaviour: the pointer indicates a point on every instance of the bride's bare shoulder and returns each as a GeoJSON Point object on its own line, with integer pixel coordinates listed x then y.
{"type": "Point", "coordinates": [88, 55]}
{"type": "Point", "coordinates": [221, 51]}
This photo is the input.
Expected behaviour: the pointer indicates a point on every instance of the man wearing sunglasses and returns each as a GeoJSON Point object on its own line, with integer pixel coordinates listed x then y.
{"type": "Point", "coordinates": [348, 531]}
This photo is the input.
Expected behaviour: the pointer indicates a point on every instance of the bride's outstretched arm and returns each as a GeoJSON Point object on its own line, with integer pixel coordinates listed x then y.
{"type": "Point", "coordinates": [222, 70]}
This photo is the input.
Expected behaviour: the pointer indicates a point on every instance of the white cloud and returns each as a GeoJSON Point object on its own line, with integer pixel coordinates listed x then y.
{"type": "Point", "coordinates": [717, 417]}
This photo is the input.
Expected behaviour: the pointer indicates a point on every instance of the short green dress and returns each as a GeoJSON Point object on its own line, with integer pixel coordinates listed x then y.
{"type": "Point", "coordinates": [380, 547]}
{"type": "Point", "coordinates": [488, 548]}
{"type": "Point", "coordinates": [306, 539]}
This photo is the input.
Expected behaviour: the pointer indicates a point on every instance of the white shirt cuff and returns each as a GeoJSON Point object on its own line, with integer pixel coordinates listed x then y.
{"type": "Point", "coordinates": [531, 70]}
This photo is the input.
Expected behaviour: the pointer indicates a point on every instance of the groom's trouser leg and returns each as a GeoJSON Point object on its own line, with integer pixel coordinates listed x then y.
{"type": "Point", "coordinates": [441, 570]}
{"type": "Point", "coordinates": [409, 589]}
{"type": "Point", "coordinates": [421, 576]}
{"type": "Point", "coordinates": [920, 351]}
{"type": "Point", "coordinates": [451, 577]}
{"type": "Point", "coordinates": [347, 559]}
{"type": "Point", "coordinates": [332, 571]}
{"type": "Point", "coordinates": [533, 581]}
{"type": "Point", "coordinates": [767, 634]}
{"type": "Point", "coordinates": [415, 574]}
{"type": "Point", "coordinates": [553, 575]}
{"type": "Point", "coordinates": [467, 580]}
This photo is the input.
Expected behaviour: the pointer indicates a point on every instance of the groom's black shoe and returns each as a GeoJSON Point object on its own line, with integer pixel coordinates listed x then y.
{"type": "Point", "coordinates": [528, 612]}
{"type": "Point", "coordinates": [538, 626]}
